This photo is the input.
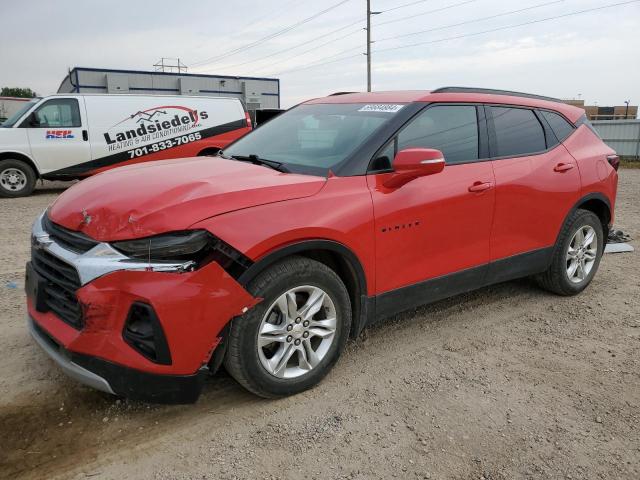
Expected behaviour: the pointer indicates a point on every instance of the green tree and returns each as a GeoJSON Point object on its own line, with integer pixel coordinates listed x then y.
{"type": "Point", "coordinates": [17, 92]}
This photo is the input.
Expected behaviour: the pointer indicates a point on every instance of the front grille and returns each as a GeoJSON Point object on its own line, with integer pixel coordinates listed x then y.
{"type": "Point", "coordinates": [62, 281]}
{"type": "Point", "coordinates": [75, 241]}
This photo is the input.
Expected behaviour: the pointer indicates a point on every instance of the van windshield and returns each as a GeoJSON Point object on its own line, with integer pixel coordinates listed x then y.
{"type": "Point", "coordinates": [11, 121]}
{"type": "Point", "coordinates": [314, 138]}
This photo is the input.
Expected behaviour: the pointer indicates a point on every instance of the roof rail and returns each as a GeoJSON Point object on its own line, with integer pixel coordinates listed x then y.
{"type": "Point", "coordinates": [340, 93]}
{"type": "Point", "coordinates": [491, 91]}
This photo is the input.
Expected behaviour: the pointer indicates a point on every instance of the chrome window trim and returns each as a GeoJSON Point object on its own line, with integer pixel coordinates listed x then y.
{"type": "Point", "coordinates": [100, 260]}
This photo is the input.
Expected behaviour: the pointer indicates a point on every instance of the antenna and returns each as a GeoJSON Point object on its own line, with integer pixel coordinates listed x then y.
{"type": "Point", "coordinates": [170, 65]}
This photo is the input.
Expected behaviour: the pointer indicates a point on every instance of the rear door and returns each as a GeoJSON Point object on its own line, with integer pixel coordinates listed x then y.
{"type": "Point", "coordinates": [537, 183]}
{"type": "Point", "coordinates": [57, 134]}
{"type": "Point", "coordinates": [436, 225]}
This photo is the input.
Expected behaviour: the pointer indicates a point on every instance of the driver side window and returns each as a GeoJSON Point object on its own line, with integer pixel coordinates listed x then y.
{"type": "Point", "coordinates": [62, 112]}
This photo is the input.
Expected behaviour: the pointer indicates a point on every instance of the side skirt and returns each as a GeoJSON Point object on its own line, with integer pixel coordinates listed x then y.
{"type": "Point", "coordinates": [522, 265]}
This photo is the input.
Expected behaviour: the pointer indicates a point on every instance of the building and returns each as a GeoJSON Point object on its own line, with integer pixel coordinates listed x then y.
{"type": "Point", "coordinates": [257, 93]}
{"type": "Point", "coordinates": [595, 112]}
{"type": "Point", "coordinates": [10, 105]}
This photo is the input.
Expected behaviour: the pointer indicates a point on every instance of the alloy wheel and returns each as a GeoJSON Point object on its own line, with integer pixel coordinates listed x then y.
{"type": "Point", "coordinates": [582, 253]}
{"type": "Point", "coordinates": [297, 331]}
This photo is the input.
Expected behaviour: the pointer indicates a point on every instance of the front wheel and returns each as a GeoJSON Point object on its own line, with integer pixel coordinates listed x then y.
{"type": "Point", "coordinates": [290, 341]}
{"type": "Point", "coordinates": [17, 178]}
{"type": "Point", "coordinates": [576, 256]}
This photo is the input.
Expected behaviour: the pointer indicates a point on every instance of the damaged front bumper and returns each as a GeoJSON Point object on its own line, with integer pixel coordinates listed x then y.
{"type": "Point", "coordinates": [186, 312]}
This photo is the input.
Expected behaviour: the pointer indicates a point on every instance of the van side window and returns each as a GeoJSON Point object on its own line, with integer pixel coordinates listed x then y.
{"type": "Point", "coordinates": [561, 128]}
{"type": "Point", "coordinates": [518, 132]}
{"type": "Point", "coordinates": [452, 129]}
{"type": "Point", "coordinates": [59, 112]}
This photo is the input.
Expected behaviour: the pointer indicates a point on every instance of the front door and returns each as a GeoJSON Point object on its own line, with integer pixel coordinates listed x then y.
{"type": "Point", "coordinates": [435, 227]}
{"type": "Point", "coordinates": [58, 135]}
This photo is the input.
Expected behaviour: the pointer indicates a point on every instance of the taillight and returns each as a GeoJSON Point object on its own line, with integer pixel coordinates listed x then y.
{"type": "Point", "coordinates": [248, 117]}
{"type": "Point", "coordinates": [614, 161]}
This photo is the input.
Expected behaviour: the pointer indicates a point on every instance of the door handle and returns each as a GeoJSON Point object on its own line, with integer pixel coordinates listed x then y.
{"type": "Point", "coordinates": [563, 167]}
{"type": "Point", "coordinates": [480, 187]}
{"type": "Point", "coordinates": [85, 135]}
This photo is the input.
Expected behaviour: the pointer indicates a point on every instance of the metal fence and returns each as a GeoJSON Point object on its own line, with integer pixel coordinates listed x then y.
{"type": "Point", "coordinates": [621, 135]}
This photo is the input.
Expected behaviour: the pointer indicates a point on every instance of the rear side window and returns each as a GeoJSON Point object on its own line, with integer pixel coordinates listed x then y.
{"type": "Point", "coordinates": [518, 132]}
{"type": "Point", "coordinates": [452, 129]}
{"type": "Point", "coordinates": [561, 128]}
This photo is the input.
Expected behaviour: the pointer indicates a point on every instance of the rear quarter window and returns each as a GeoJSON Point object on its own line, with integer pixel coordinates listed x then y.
{"type": "Point", "coordinates": [561, 127]}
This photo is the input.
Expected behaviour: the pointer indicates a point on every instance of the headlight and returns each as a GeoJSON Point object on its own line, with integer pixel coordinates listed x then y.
{"type": "Point", "coordinates": [187, 245]}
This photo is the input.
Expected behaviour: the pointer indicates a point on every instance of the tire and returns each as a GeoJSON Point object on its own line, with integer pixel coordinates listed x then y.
{"type": "Point", "coordinates": [17, 178]}
{"type": "Point", "coordinates": [557, 278]}
{"type": "Point", "coordinates": [256, 367]}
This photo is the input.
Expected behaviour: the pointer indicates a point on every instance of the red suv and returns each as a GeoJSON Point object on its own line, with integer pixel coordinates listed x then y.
{"type": "Point", "coordinates": [341, 211]}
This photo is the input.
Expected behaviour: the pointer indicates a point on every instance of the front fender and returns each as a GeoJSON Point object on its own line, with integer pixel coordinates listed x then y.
{"type": "Point", "coordinates": [341, 213]}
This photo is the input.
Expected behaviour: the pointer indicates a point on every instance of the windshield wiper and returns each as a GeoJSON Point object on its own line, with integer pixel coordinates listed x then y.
{"type": "Point", "coordinates": [256, 160]}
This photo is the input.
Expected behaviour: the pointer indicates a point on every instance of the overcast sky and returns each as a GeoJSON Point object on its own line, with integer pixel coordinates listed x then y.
{"type": "Point", "coordinates": [593, 54]}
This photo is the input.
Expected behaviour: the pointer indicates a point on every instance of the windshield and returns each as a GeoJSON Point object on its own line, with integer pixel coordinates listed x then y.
{"type": "Point", "coordinates": [314, 138]}
{"type": "Point", "coordinates": [11, 121]}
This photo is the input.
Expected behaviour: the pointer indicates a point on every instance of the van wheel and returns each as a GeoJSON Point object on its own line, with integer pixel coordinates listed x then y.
{"type": "Point", "coordinates": [576, 256]}
{"type": "Point", "coordinates": [17, 178]}
{"type": "Point", "coordinates": [289, 342]}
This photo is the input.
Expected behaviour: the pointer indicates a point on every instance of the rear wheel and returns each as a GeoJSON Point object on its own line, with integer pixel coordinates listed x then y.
{"type": "Point", "coordinates": [577, 255]}
{"type": "Point", "coordinates": [17, 178]}
{"type": "Point", "coordinates": [290, 341]}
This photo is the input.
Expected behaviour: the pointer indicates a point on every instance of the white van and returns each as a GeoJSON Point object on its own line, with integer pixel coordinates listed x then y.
{"type": "Point", "coordinates": [73, 136]}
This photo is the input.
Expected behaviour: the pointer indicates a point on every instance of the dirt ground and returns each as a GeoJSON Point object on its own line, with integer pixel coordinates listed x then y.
{"type": "Point", "coordinates": [507, 382]}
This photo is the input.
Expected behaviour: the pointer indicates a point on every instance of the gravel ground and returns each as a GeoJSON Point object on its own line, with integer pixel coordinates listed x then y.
{"type": "Point", "coordinates": [506, 382]}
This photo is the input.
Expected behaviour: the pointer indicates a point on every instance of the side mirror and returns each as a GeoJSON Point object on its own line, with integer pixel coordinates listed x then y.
{"type": "Point", "coordinates": [412, 163]}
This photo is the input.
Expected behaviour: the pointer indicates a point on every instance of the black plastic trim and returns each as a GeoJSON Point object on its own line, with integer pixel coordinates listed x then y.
{"type": "Point", "coordinates": [162, 354]}
{"type": "Point", "coordinates": [143, 386]}
{"type": "Point", "coordinates": [396, 301]}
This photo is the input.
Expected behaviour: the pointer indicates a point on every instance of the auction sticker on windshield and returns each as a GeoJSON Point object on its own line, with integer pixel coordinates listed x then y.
{"type": "Point", "coordinates": [381, 107]}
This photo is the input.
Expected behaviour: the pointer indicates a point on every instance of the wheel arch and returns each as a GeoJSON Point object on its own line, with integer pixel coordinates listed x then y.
{"type": "Point", "coordinates": [599, 204]}
{"type": "Point", "coordinates": [336, 256]}
{"type": "Point", "coordinates": [8, 155]}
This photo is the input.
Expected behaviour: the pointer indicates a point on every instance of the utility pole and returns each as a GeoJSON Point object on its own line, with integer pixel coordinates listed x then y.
{"type": "Point", "coordinates": [368, 45]}
{"type": "Point", "coordinates": [369, 42]}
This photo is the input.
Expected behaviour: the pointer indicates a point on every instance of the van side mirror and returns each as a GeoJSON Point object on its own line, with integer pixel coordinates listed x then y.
{"type": "Point", "coordinates": [412, 163]}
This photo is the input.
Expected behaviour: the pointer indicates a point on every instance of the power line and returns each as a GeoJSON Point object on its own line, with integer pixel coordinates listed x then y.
{"type": "Point", "coordinates": [425, 13]}
{"type": "Point", "coordinates": [507, 27]}
{"type": "Point", "coordinates": [314, 64]}
{"type": "Point", "coordinates": [285, 50]}
{"type": "Point", "coordinates": [410, 4]}
{"type": "Point", "coordinates": [261, 19]}
{"type": "Point", "coordinates": [475, 20]}
{"type": "Point", "coordinates": [269, 37]}
{"type": "Point", "coordinates": [579, 12]}
{"type": "Point", "coordinates": [313, 48]}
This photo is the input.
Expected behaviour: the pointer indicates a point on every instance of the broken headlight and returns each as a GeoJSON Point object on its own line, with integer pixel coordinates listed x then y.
{"type": "Point", "coordinates": [171, 246]}
{"type": "Point", "coordinates": [198, 246]}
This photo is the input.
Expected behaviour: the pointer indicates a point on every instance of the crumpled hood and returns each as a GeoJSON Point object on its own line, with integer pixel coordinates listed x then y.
{"type": "Point", "coordinates": [156, 197]}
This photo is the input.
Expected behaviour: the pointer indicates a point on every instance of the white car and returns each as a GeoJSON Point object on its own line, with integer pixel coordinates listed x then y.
{"type": "Point", "coordinates": [73, 136]}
